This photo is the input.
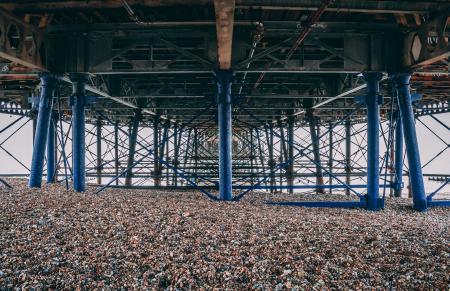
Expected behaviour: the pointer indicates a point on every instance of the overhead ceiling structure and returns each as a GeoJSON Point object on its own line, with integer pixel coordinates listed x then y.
{"type": "Point", "coordinates": [165, 52]}
{"type": "Point", "coordinates": [302, 62]}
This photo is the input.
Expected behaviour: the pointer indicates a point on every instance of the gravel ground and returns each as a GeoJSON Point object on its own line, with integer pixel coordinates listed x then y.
{"type": "Point", "coordinates": [52, 238]}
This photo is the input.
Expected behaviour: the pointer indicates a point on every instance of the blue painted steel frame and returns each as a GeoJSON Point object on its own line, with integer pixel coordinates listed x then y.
{"type": "Point", "coordinates": [78, 128]}
{"type": "Point", "coordinates": [412, 147]}
{"type": "Point", "coordinates": [43, 122]}
{"type": "Point", "coordinates": [224, 80]}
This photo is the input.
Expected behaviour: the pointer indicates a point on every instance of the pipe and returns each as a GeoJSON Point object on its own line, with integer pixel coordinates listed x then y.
{"type": "Point", "coordinates": [373, 143]}
{"type": "Point", "coordinates": [224, 81]}
{"type": "Point", "coordinates": [78, 129]}
{"type": "Point", "coordinates": [412, 147]}
{"type": "Point", "coordinates": [48, 83]}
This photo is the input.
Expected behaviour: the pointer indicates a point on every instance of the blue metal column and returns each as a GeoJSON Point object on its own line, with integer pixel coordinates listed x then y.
{"type": "Point", "coordinates": [373, 143]}
{"type": "Point", "coordinates": [132, 145]}
{"type": "Point", "coordinates": [51, 152]}
{"type": "Point", "coordinates": [398, 157]}
{"type": "Point", "coordinates": [224, 81]}
{"type": "Point", "coordinates": [412, 147]}
{"type": "Point", "coordinates": [78, 101]}
{"type": "Point", "coordinates": [42, 126]}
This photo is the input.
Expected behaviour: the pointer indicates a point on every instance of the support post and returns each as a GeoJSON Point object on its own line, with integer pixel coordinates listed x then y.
{"type": "Point", "coordinates": [176, 151]}
{"type": "Point", "coordinates": [271, 159]}
{"type": "Point", "coordinates": [316, 150]}
{"type": "Point", "coordinates": [224, 81]}
{"type": "Point", "coordinates": [412, 147]}
{"type": "Point", "coordinates": [99, 151]}
{"type": "Point", "coordinates": [398, 157]}
{"type": "Point", "coordinates": [116, 150]}
{"type": "Point", "coordinates": [290, 172]}
{"type": "Point", "coordinates": [132, 145]}
{"type": "Point", "coordinates": [348, 154]}
{"type": "Point", "coordinates": [157, 179]}
{"type": "Point", "coordinates": [48, 83]}
{"type": "Point", "coordinates": [78, 102]}
{"type": "Point", "coordinates": [330, 157]}
{"type": "Point", "coordinates": [51, 151]}
{"type": "Point", "coordinates": [372, 101]}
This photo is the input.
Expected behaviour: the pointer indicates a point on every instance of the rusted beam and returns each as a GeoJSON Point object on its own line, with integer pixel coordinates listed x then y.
{"type": "Point", "coordinates": [224, 26]}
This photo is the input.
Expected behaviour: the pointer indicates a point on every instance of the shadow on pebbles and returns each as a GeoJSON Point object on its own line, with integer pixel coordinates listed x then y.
{"type": "Point", "coordinates": [147, 239]}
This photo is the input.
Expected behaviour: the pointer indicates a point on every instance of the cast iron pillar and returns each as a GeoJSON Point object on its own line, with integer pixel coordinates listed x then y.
{"type": "Point", "coordinates": [156, 172]}
{"type": "Point", "coordinates": [224, 81]}
{"type": "Point", "coordinates": [290, 172]}
{"type": "Point", "coordinates": [132, 145]}
{"type": "Point", "coordinates": [372, 100]}
{"type": "Point", "coordinates": [330, 157]}
{"type": "Point", "coordinates": [348, 154]}
{"type": "Point", "coordinates": [412, 147]}
{"type": "Point", "coordinates": [48, 83]}
{"type": "Point", "coordinates": [78, 102]}
{"type": "Point", "coordinates": [98, 126]}
{"type": "Point", "coordinates": [116, 151]}
{"type": "Point", "coordinates": [51, 151]}
{"type": "Point", "coordinates": [398, 157]}
{"type": "Point", "coordinates": [316, 150]}
{"type": "Point", "coordinates": [271, 161]}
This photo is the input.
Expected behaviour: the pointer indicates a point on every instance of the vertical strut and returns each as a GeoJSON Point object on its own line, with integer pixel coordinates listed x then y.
{"type": "Point", "coordinates": [116, 151]}
{"type": "Point", "coordinates": [132, 145]}
{"type": "Point", "coordinates": [348, 154]}
{"type": "Point", "coordinates": [373, 143]}
{"type": "Point", "coordinates": [271, 158]}
{"type": "Point", "coordinates": [316, 150]}
{"type": "Point", "coordinates": [330, 157]}
{"type": "Point", "coordinates": [412, 147]}
{"type": "Point", "coordinates": [78, 101]}
{"type": "Point", "coordinates": [157, 180]}
{"type": "Point", "coordinates": [51, 151]}
{"type": "Point", "coordinates": [224, 81]}
{"type": "Point", "coordinates": [290, 172]}
{"type": "Point", "coordinates": [398, 157]}
{"type": "Point", "coordinates": [48, 83]}
{"type": "Point", "coordinates": [98, 126]}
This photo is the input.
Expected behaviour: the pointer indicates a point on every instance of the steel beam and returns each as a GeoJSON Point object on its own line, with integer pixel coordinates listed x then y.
{"type": "Point", "coordinates": [48, 83]}
{"type": "Point", "coordinates": [224, 25]}
{"type": "Point", "coordinates": [411, 142]}
{"type": "Point", "coordinates": [224, 81]}
{"type": "Point", "coordinates": [78, 102]}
